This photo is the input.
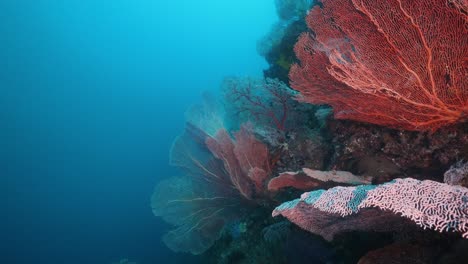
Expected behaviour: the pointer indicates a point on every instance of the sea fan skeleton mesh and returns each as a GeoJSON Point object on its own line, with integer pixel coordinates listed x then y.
{"type": "Point", "coordinates": [397, 63]}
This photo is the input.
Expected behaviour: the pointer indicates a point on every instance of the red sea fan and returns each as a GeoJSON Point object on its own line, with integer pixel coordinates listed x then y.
{"type": "Point", "coordinates": [253, 157]}
{"type": "Point", "coordinates": [222, 147]}
{"type": "Point", "coordinates": [267, 102]}
{"type": "Point", "coordinates": [246, 160]}
{"type": "Point", "coordinates": [397, 63]}
{"type": "Point", "coordinates": [223, 176]}
{"type": "Point", "coordinates": [200, 204]}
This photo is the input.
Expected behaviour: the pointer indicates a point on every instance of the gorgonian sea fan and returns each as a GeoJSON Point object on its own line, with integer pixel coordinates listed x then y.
{"type": "Point", "coordinates": [222, 175]}
{"type": "Point", "coordinates": [246, 160]}
{"type": "Point", "coordinates": [266, 102]}
{"type": "Point", "coordinates": [222, 146]}
{"type": "Point", "coordinates": [397, 63]}
{"type": "Point", "coordinates": [199, 204]}
{"type": "Point", "coordinates": [198, 211]}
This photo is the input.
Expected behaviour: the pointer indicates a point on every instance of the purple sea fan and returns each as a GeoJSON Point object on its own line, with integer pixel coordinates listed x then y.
{"type": "Point", "coordinates": [197, 211]}
{"type": "Point", "coordinates": [199, 204]}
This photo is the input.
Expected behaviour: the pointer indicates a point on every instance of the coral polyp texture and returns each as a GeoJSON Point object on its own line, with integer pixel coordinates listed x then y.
{"type": "Point", "coordinates": [429, 204]}
{"type": "Point", "coordinates": [396, 63]}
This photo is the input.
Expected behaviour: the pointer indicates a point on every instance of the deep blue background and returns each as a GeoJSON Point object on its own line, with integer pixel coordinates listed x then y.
{"type": "Point", "coordinates": [92, 92]}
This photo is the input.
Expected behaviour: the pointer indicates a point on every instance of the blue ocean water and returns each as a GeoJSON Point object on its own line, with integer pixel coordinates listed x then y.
{"type": "Point", "coordinates": [92, 92]}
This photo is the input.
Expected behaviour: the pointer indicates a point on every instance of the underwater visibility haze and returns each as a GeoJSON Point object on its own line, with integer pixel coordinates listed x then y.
{"type": "Point", "coordinates": [267, 131]}
{"type": "Point", "coordinates": [92, 95]}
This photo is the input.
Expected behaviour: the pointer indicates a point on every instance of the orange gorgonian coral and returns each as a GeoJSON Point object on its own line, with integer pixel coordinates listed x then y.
{"type": "Point", "coordinates": [396, 63]}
